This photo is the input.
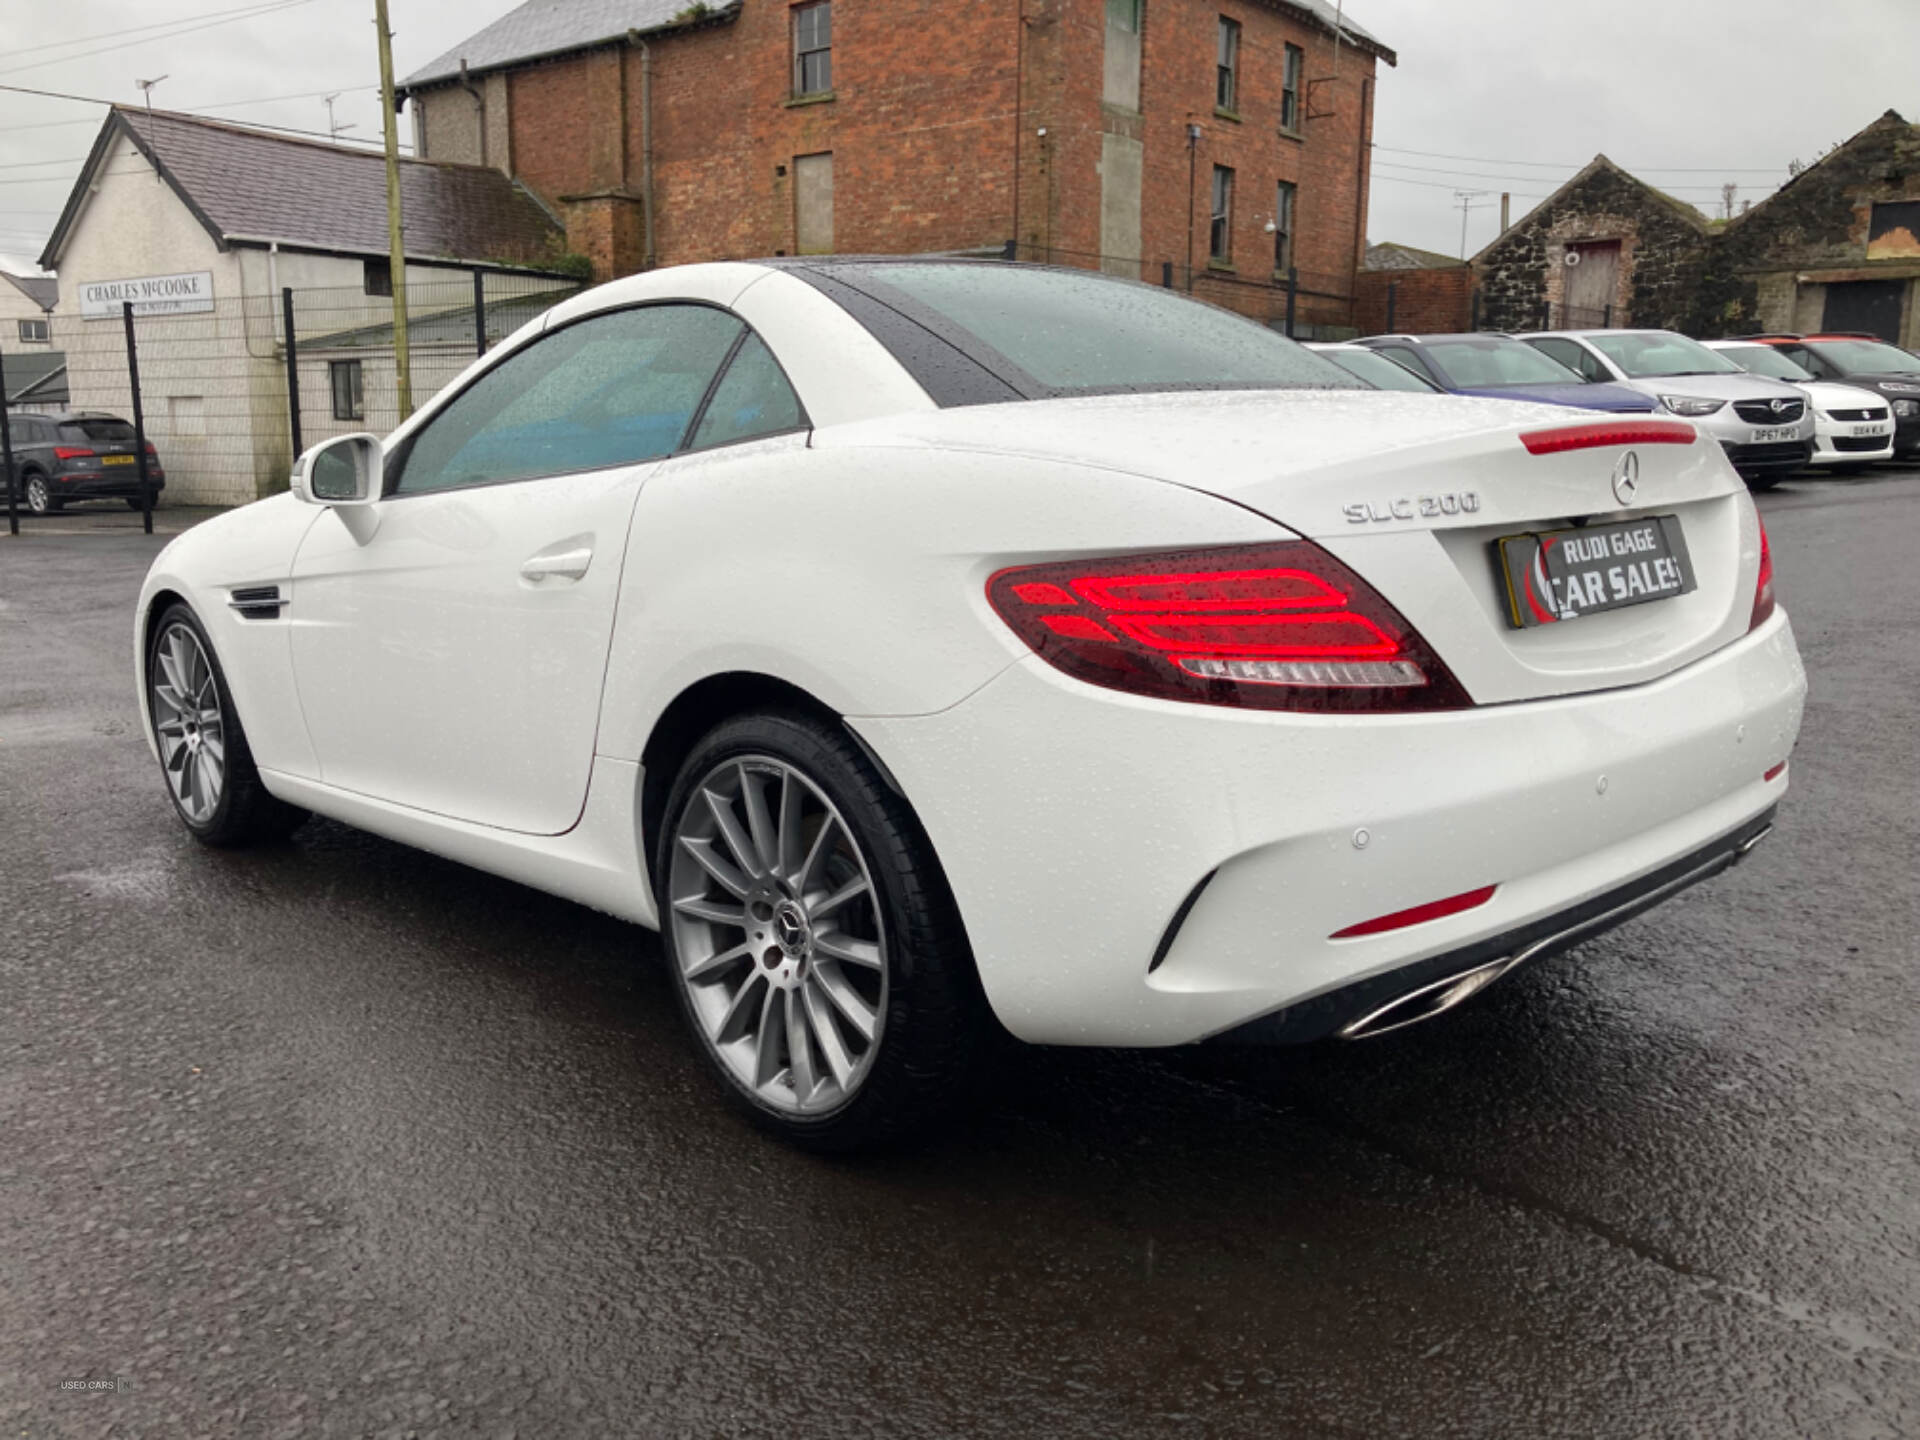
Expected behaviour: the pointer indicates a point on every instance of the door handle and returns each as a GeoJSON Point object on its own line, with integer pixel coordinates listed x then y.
{"type": "Point", "coordinates": [569, 564]}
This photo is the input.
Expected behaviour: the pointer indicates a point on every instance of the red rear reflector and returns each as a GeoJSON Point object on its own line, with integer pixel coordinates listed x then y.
{"type": "Point", "coordinates": [1608, 432]}
{"type": "Point", "coordinates": [1419, 914]}
{"type": "Point", "coordinates": [1763, 589]}
{"type": "Point", "coordinates": [1776, 772]}
{"type": "Point", "coordinates": [70, 452]}
{"type": "Point", "coordinates": [1275, 627]}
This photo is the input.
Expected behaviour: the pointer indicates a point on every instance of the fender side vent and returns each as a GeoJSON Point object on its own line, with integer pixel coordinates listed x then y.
{"type": "Point", "coordinates": [257, 602]}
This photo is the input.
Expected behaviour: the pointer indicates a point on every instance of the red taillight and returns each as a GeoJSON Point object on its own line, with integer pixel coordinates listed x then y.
{"type": "Point", "coordinates": [1272, 627]}
{"type": "Point", "coordinates": [150, 449]}
{"type": "Point", "coordinates": [1763, 592]}
{"type": "Point", "coordinates": [71, 452]}
{"type": "Point", "coordinates": [1419, 914]}
{"type": "Point", "coordinates": [1592, 435]}
{"type": "Point", "coordinates": [1775, 772]}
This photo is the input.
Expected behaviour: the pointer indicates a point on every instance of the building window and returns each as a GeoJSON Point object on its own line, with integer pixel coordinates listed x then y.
{"type": "Point", "coordinates": [813, 204]}
{"type": "Point", "coordinates": [1220, 237]}
{"type": "Point", "coordinates": [1227, 84]}
{"type": "Point", "coordinates": [34, 332]}
{"type": "Point", "coordinates": [349, 395]}
{"type": "Point", "coordinates": [377, 278]}
{"type": "Point", "coordinates": [1283, 226]}
{"type": "Point", "coordinates": [813, 49]}
{"type": "Point", "coordinates": [1290, 88]}
{"type": "Point", "coordinates": [1124, 15]}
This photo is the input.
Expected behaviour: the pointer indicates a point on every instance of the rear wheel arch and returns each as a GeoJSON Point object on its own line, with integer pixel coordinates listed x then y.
{"type": "Point", "coordinates": [691, 715]}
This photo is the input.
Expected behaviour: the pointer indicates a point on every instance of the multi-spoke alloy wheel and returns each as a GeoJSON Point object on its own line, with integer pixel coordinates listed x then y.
{"type": "Point", "coordinates": [188, 723]}
{"type": "Point", "coordinates": [778, 935]}
{"type": "Point", "coordinates": [204, 756]}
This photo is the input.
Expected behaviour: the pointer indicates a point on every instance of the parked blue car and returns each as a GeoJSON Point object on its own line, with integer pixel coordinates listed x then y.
{"type": "Point", "coordinates": [1506, 368]}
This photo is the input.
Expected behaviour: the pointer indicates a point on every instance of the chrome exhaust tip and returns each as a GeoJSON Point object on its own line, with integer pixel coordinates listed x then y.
{"type": "Point", "coordinates": [1427, 1001]}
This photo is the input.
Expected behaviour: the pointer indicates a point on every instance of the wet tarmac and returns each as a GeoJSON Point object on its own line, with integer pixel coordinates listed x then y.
{"type": "Point", "coordinates": [340, 1139]}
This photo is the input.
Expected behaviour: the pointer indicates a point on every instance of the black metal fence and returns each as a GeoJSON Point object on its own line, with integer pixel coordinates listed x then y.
{"type": "Point", "coordinates": [230, 392]}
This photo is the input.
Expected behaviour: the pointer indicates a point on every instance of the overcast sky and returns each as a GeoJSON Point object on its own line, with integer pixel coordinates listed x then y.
{"type": "Point", "coordinates": [1689, 93]}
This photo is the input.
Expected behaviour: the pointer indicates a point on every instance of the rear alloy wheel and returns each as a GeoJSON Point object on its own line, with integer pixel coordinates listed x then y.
{"type": "Point", "coordinates": [39, 498]}
{"type": "Point", "coordinates": [814, 947]}
{"type": "Point", "coordinates": [204, 755]}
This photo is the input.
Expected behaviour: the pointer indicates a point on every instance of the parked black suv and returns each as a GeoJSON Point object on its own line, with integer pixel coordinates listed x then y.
{"type": "Point", "coordinates": [84, 456]}
{"type": "Point", "coordinates": [1865, 361]}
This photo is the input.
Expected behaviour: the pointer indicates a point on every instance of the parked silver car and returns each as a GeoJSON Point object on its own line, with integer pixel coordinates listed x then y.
{"type": "Point", "coordinates": [1765, 426]}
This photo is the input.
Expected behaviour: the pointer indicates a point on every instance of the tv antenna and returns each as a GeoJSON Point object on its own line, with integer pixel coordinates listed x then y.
{"type": "Point", "coordinates": [1465, 200]}
{"type": "Point", "coordinates": [334, 130]}
{"type": "Point", "coordinates": [146, 89]}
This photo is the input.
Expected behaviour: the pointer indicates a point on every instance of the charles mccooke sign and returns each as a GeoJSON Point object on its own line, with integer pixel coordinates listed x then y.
{"type": "Point", "coordinates": [190, 294]}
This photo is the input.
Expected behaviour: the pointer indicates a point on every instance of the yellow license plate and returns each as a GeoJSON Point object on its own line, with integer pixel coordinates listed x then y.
{"type": "Point", "coordinates": [116, 459]}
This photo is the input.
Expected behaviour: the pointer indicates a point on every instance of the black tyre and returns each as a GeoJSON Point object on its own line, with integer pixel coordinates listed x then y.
{"type": "Point", "coordinates": [133, 502]}
{"type": "Point", "coordinates": [40, 498]}
{"type": "Point", "coordinates": [204, 758]}
{"type": "Point", "coordinates": [1757, 483]}
{"type": "Point", "coordinates": [812, 941]}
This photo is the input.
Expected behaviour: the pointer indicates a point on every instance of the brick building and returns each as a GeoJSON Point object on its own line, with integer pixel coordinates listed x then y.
{"type": "Point", "coordinates": [1132, 134]}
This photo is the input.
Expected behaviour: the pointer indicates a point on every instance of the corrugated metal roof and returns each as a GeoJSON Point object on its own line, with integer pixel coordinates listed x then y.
{"type": "Point", "coordinates": [553, 27]}
{"type": "Point", "coordinates": [254, 184]}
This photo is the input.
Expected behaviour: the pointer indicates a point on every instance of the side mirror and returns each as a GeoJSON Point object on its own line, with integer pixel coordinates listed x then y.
{"type": "Point", "coordinates": [344, 471]}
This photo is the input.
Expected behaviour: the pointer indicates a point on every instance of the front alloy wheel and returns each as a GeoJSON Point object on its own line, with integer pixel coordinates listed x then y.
{"type": "Point", "coordinates": [204, 757]}
{"type": "Point", "coordinates": [188, 723]}
{"type": "Point", "coordinates": [813, 943]}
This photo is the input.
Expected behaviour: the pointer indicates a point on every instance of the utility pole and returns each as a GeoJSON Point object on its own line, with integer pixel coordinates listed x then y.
{"type": "Point", "coordinates": [396, 247]}
{"type": "Point", "coordinates": [1727, 193]}
{"type": "Point", "coordinates": [1464, 199]}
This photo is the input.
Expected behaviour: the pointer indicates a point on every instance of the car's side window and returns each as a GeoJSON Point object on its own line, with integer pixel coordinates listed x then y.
{"type": "Point", "coordinates": [752, 399]}
{"type": "Point", "coordinates": [613, 389]}
{"type": "Point", "coordinates": [1812, 361]}
{"type": "Point", "coordinates": [1574, 357]}
{"type": "Point", "coordinates": [1411, 361]}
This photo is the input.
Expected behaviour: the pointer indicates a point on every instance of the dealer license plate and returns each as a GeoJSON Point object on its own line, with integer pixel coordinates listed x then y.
{"type": "Point", "coordinates": [1773, 433]}
{"type": "Point", "coordinates": [1564, 574]}
{"type": "Point", "coordinates": [116, 459]}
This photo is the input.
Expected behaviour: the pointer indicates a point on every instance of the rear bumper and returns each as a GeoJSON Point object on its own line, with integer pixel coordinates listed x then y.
{"type": "Point", "coordinates": [103, 484]}
{"type": "Point", "coordinates": [1366, 1005]}
{"type": "Point", "coordinates": [1076, 825]}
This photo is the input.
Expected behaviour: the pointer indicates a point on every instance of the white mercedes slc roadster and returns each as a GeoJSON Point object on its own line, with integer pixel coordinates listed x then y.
{"type": "Point", "coordinates": [921, 645]}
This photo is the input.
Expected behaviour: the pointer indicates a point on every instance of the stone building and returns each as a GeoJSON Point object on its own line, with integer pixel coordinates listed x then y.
{"type": "Point", "coordinates": [1229, 135]}
{"type": "Point", "coordinates": [1835, 248]}
{"type": "Point", "coordinates": [1605, 249]}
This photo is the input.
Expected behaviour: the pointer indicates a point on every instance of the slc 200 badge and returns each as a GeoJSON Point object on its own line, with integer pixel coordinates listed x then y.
{"type": "Point", "coordinates": [1423, 507]}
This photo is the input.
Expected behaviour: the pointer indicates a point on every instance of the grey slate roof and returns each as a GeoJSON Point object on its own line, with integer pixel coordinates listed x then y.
{"type": "Point", "coordinates": [36, 377]}
{"type": "Point", "coordinates": [43, 290]}
{"type": "Point", "coordinates": [552, 27]}
{"type": "Point", "coordinates": [246, 184]}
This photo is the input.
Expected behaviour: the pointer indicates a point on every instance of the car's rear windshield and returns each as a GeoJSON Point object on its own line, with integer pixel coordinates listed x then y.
{"type": "Point", "coordinates": [97, 429]}
{"type": "Point", "coordinates": [1865, 357]}
{"type": "Point", "coordinates": [1477, 364]}
{"type": "Point", "coordinates": [1066, 332]}
{"type": "Point", "coordinates": [1765, 360]}
{"type": "Point", "coordinates": [1647, 355]}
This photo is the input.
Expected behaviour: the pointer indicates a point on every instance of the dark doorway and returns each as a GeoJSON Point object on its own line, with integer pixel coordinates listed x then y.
{"type": "Point", "coordinates": [1871, 307]}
